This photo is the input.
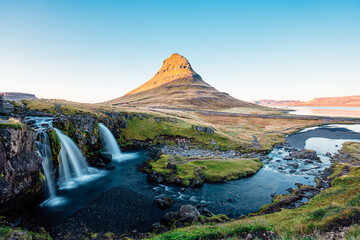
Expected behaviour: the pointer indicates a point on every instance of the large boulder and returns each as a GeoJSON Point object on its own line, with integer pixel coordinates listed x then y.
{"type": "Point", "coordinates": [188, 213]}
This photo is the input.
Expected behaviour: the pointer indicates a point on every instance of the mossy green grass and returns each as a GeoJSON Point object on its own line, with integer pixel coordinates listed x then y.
{"type": "Point", "coordinates": [214, 169]}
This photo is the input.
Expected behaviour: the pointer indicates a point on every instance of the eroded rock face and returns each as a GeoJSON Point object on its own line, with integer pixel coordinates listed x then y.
{"type": "Point", "coordinates": [84, 129]}
{"type": "Point", "coordinates": [20, 165]}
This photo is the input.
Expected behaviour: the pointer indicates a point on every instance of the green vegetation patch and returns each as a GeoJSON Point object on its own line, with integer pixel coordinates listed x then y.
{"type": "Point", "coordinates": [16, 126]}
{"type": "Point", "coordinates": [353, 149]}
{"type": "Point", "coordinates": [213, 169]}
{"type": "Point", "coordinates": [150, 129]}
{"type": "Point", "coordinates": [7, 232]}
{"type": "Point", "coordinates": [40, 105]}
{"type": "Point", "coordinates": [55, 146]}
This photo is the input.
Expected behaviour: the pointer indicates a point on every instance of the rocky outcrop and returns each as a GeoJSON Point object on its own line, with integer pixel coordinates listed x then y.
{"type": "Point", "coordinates": [208, 130]}
{"type": "Point", "coordinates": [83, 129]}
{"type": "Point", "coordinates": [304, 154]}
{"type": "Point", "coordinates": [20, 166]}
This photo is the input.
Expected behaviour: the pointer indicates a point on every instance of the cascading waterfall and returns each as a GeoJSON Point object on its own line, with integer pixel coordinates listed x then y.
{"type": "Point", "coordinates": [109, 143]}
{"type": "Point", "coordinates": [72, 162]}
{"type": "Point", "coordinates": [43, 145]}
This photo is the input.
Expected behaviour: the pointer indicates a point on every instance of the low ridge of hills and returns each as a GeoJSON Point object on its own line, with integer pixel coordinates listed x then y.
{"type": "Point", "coordinates": [17, 95]}
{"type": "Point", "coordinates": [177, 85]}
{"type": "Point", "coordinates": [347, 101]}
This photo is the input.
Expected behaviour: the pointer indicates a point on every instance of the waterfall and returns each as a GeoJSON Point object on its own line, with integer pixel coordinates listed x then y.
{"type": "Point", "coordinates": [72, 162]}
{"type": "Point", "coordinates": [43, 145]}
{"type": "Point", "coordinates": [109, 143]}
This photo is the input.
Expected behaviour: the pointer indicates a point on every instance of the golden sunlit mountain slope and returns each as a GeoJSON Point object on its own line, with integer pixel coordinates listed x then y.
{"type": "Point", "coordinates": [177, 85]}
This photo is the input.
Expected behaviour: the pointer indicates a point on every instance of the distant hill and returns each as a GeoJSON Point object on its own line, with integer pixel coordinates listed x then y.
{"type": "Point", "coordinates": [17, 95]}
{"type": "Point", "coordinates": [347, 101]}
{"type": "Point", "coordinates": [177, 85]}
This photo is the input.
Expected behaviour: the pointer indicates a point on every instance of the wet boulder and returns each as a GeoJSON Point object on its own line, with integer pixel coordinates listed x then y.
{"type": "Point", "coordinates": [106, 157]}
{"type": "Point", "coordinates": [304, 154]}
{"type": "Point", "coordinates": [294, 165]}
{"type": "Point", "coordinates": [164, 203]}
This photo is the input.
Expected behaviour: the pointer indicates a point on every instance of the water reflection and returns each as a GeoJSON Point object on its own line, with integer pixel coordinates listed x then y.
{"type": "Point", "coordinates": [325, 111]}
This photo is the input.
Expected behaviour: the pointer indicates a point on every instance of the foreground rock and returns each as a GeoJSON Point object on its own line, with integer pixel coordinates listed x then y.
{"type": "Point", "coordinates": [186, 216]}
{"type": "Point", "coordinates": [20, 167]}
{"type": "Point", "coordinates": [188, 213]}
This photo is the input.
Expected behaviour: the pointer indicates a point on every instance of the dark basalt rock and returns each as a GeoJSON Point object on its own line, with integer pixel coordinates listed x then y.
{"type": "Point", "coordinates": [20, 166]}
{"type": "Point", "coordinates": [304, 154]}
{"type": "Point", "coordinates": [207, 212]}
{"type": "Point", "coordinates": [106, 157]}
{"type": "Point", "coordinates": [169, 217]}
{"type": "Point", "coordinates": [164, 203]}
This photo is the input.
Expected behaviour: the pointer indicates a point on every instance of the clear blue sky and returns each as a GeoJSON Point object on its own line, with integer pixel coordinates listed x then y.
{"type": "Point", "coordinates": [92, 51]}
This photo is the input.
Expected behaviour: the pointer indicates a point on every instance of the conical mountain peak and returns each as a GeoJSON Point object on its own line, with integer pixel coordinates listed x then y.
{"type": "Point", "coordinates": [176, 62]}
{"type": "Point", "coordinates": [173, 68]}
{"type": "Point", "coordinates": [177, 85]}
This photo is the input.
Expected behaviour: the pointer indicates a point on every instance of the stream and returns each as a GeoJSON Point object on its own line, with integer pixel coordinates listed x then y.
{"type": "Point", "coordinates": [234, 198]}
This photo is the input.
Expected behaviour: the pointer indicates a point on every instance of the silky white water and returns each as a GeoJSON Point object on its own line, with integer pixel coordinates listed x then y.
{"type": "Point", "coordinates": [72, 162]}
{"type": "Point", "coordinates": [43, 145]}
{"type": "Point", "coordinates": [109, 142]}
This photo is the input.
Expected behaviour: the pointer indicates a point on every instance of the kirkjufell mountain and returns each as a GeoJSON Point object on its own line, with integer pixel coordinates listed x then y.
{"type": "Point", "coordinates": [177, 85]}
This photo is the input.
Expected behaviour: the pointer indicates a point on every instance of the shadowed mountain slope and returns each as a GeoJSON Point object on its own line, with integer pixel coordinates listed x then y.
{"type": "Point", "coordinates": [177, 85]}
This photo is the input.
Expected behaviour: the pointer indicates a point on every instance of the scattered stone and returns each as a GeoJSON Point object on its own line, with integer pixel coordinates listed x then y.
{"type": "Point", "coordinates": [288, 158]}
{"type": "Point", "coordinates": [156, 227]}
{"type": "Point", "coordinates": [208, 130]}
{"type": "Point", "coordinates": [304, 154]}
{"type": "Point", "coordinates": [294, 165]}
{"type": "Point", "coordinates": [164, 203]}
{"type": "Point", "coordinates": [207, 212]}
{"type": "Point", "coordinates": [169, 218]}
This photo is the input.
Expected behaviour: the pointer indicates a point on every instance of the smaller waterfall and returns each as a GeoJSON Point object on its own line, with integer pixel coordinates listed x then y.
{"type": "Point", "coordinates": [72, 162]}
{"type": "Point", "coordinates": [109, 143]}
{"type": "Point", "coordinates": [43, 145]}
